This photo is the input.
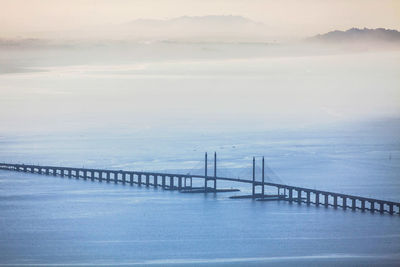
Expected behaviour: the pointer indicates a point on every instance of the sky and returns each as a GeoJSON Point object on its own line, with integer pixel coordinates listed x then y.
{"type": "Point", "coordinates": [286, 17]}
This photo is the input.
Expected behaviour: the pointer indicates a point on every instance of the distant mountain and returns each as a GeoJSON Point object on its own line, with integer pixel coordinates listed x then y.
{"type": "Point", "coordinates": [358, 35]}
{"type": "Point", "coordinates": [212, 28]}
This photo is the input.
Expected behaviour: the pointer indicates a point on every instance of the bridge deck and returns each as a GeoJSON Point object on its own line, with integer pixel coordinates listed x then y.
{"type": "Point", "coordinates": [171, 181]}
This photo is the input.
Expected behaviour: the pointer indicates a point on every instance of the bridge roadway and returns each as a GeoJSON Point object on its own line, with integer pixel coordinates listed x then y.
{"type": "Point", "coordinates": [170, 181]}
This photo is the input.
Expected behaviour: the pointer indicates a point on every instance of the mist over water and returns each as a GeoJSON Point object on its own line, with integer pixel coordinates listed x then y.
{"type": "Point", "coordinates": [194, 86]}
{"type": "Point", "coordinates": [327, 120]}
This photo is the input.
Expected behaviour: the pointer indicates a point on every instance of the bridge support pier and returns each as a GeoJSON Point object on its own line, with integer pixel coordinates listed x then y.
{"type": "Point", "coordinates": [381, 207]}
{"type": "Point", "coordinates": [147, 180]}
{"type": "Point", "coordinates": [155, 180]}
{"type": "Point", "coordinates": [335, 201]}
{"type": "Point", "coordinates": [140, 179]}
{"type": "Point", "coordinates": [163, 181]}
{"type": "Point", "coordinates": [317, 199]}
{"type": "Point", "coordinates": [308, 198]}
{"type": "Point", "coordinates": [353, 204]}
{"type": "Point", "coordinates": [290, 195]}
{"type": "Point", "coordinates": [326, 201]}
{"type": "Point", "coordinates": [372, 209]}
{"type": "Point", "coordinates": [115, 177]}
{"type": "Point", "coordinates": [180, 182]}
{"type": "Point", "coordinates": [108, 177]}
{"type": "Point", "coordinates": [344, 202]}
{"type": "Point", "coordinates": [185, 183]}
{"type": "Point", "coordinates": [298, 196]}
{"type": "Point", "coordinates": [362, 205]}
{"type": "Point", "coordinates": [123, 177]}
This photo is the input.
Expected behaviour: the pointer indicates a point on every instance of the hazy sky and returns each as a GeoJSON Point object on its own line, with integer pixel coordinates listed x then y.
{"type": "Point", "coordinates": [287, 17]}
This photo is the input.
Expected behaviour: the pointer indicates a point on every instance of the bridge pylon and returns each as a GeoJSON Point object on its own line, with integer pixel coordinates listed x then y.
{"type": "Point", "coordinates": [206, 177]}
{"type": "Point", "coordinates": [255, 183]}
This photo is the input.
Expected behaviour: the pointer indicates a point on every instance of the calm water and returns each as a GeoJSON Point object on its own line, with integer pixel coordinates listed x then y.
{"type": "Point", "coordinates": [66, 221]}
{"type": "Point", "coordinates": [317, 120]}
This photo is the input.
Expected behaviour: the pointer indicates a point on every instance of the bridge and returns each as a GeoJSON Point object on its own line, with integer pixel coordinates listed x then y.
{"type": "Point", "coordinates": [184, 184]}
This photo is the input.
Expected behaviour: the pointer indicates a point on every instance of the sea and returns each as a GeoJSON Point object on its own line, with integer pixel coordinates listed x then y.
{"type": "Point", "coordinates": [328, 121]}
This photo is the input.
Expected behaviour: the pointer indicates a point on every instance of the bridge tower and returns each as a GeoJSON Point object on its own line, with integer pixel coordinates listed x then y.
{"type": "Point", "coordinates": [206, 177]}
{"type": "Point", "coordinates": [254, 177]}
{"type": "Point", "coordinates": [262, 185]}
{"type": "Point", "coordinates": [215, 171]}
{"type": "Point", "coordinates": [255, 183]}
{"type": "Point", "coordinates": [205, 173]}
